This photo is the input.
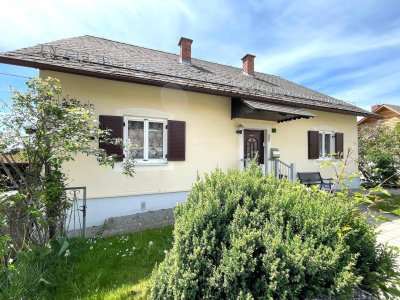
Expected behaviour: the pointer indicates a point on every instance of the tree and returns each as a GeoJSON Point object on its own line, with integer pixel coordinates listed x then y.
{"type": "Point", "coordinates": [44, 129]}
{"type": "Point", "coordinates": [379, 154]}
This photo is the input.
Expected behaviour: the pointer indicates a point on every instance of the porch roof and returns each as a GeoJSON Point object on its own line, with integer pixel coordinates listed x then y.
{"type": "Point", "coordinates": [251, 109]}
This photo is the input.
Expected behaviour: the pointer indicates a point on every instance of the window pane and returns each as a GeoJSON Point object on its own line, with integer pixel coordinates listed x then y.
{"type": "Point", "coordinates": [136, 138]}
{"type": "Point", "coordinates": [327, 144]}
{"type": "Point", "coordinates": [155, 140]}
{"type": "Point", "coordinates": [320, 145]}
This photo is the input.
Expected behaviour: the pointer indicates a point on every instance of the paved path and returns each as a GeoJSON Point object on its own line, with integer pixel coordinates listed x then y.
{"type": "Point", "coordinates": [389, 233]}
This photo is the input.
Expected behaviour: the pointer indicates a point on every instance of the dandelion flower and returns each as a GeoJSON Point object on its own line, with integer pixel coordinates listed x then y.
{"type": "Point", "coordinates": [67, 253]}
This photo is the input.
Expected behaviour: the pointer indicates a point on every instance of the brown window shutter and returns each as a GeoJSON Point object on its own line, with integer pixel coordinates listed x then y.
{"type": "Point", "coordinates": [116, 125]}
{"type": "Point", "coordinates": [313, 137]}
{"type": "Point", "coordinates": [176, 140]}
{"type": "Point", "coordinates": [339, 145]}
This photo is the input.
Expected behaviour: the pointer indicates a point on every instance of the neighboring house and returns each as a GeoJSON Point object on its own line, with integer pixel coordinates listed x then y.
{"type": "Point", "coordinates": [187, 116]}
{"type": "Point", "coordinates": [390, 116]}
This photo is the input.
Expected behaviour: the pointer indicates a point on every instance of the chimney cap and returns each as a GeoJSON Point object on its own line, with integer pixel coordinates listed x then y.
{"type": "Point", "coordinates": [183, 39]}
{"type": "Point", "coordinates": [248, 56]}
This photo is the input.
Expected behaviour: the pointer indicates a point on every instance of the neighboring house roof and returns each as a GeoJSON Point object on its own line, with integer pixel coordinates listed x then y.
{"type": "Point", "coordinates": [98, 57]}
{"type": "Point", "coordinates": [390, 115]}
{"type": "Point", "coordinates": [393, 107]}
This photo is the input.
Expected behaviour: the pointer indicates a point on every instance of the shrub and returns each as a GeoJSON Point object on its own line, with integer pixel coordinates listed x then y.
{"type": "Point", "coordinates": [383, 169]}
{"type": "Point", "coordinates": [242, 235]}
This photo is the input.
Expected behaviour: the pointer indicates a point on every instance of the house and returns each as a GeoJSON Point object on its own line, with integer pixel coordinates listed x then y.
{"type": "Point", "coordinates": [390, 116]}
{"type": "Point", "coordinates": [187, 116]}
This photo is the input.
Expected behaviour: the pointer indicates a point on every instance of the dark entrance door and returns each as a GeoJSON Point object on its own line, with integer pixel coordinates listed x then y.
{"type": "Point", "coordinates": [253, 145]}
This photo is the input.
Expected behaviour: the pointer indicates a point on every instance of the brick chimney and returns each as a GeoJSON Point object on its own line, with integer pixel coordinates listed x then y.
{"type": "Point", "coordinates": [374, 107]}
{"type": "Point", "coordinates": [248, 64]}
{"type": "Point", "coordinates": [186, 50]}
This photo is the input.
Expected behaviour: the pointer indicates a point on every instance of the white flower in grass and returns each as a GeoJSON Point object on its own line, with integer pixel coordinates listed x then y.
{"type": "Point", "coordinates": [67, 253]}
{"type": "Point", "coordinates": [105, 248]}
{"type": "Point", "coordinates": [151, 243]}
{"type": "Point", "coordinates": [91, 248]}
{"type": "Point", "coordinates": [133, 248]}
{"type": "Point", "coordinates": [10, 261]}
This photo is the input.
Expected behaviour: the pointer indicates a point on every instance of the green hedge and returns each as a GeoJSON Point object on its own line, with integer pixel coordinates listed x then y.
{"type": "Point", "coordinates": [242, 235]}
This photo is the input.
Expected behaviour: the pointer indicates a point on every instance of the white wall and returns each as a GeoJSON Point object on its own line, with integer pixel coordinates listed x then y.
{"type": "Point", "coordinates": [211, 141]}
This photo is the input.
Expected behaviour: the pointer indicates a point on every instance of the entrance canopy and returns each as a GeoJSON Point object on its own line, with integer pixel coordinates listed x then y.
{"type": "Point", "coordinates": [251, 109]}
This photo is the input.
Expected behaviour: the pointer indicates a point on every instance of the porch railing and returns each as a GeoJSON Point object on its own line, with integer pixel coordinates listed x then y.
{"type": "Point", "coordinates": [283, 170]}
{"type": "Point", "coordinates": [279, 168]}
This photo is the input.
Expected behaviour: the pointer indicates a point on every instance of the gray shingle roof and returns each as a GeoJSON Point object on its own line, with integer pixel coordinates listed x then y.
{"type": "Point", "coordinates": [93, 56]}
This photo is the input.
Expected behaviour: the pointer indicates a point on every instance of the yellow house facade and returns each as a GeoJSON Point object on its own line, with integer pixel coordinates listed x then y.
{"type": "Point", "coordinates": [220, 130]}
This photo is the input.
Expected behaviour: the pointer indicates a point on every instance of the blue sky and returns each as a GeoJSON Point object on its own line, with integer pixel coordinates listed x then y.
{"type": "Point", "coordinates": [346, 49]}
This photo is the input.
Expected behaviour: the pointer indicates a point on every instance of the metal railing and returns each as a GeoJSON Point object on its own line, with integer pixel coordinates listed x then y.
{"type": "Point", "coordinates": [283, 170]}
{"type": "Point", "coordinates": [74, 222]}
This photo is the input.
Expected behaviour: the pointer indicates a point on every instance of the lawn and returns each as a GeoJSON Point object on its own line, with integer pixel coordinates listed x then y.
{"type": "Point", "coordinates": [117, 267]}
{"type": "Point", "coordinates": [389, 204]}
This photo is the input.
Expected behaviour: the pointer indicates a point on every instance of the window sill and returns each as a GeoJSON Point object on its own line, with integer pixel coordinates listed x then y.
{"type": "Point", "coordinates": [325, 159]}
{"type": "Point", "coordinates": [145, 164]}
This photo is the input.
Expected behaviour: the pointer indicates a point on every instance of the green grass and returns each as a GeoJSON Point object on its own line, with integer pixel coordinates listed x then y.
{"type": "Point", "coordinates": [100, 268]}
{"type": "Point", "coordinates": [388, 204]}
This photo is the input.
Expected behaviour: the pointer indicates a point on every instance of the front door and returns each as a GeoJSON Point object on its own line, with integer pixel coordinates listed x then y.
{"type": "Point", "coordinates": [254, 145]}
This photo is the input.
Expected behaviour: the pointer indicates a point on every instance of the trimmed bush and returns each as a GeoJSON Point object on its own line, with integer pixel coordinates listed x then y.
{"type": "Point", "coordinates": [242, 235]}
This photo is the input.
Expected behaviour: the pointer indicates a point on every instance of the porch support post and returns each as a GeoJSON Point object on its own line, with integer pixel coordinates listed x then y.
{"type": "Point", "coordinates": [266, 157]}
{"type": "Point", "coordinates": [293, 172]}
{"type": "Point", "coordinates": [276, 167]}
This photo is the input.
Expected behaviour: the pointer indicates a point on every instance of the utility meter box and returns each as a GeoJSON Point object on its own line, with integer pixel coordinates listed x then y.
{"type": "Point", "coordinates": [275, 153]}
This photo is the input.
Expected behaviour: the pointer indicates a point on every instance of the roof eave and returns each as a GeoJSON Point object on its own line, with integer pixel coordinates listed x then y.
{"type": "Point", "coordinates": [43, 66]}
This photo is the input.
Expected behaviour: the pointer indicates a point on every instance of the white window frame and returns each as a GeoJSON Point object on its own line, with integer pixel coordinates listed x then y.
{"type": "Point", "coordinates": [325, 156]}
{"type": "Point", "coordinates": [146, 160]}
